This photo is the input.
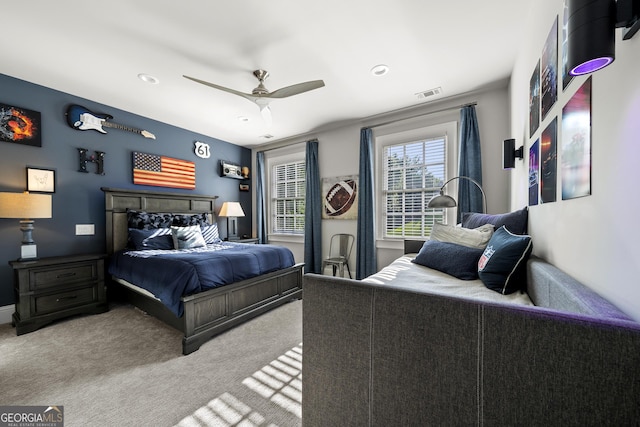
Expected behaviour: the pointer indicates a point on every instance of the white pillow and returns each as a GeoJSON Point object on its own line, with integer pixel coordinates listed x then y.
{"type": "Point", "coordinates": [187, 237]}
{"type": "Point", "coordinates": [471, 238]}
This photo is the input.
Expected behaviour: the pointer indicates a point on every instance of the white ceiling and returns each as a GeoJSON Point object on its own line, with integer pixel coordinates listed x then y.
{"type": "Point", "coordinates": [96, 50]}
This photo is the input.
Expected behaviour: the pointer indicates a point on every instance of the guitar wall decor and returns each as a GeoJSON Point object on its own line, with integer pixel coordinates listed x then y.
{"type": "Point", "coordinates": [80, 118]}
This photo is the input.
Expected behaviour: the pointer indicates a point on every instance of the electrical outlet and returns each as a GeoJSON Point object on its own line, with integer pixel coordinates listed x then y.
{"type": "Point", "coordinates": [85, 229]}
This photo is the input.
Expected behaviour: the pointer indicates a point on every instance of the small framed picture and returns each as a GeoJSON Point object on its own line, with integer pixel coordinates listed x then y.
{"type": "Point", "coordinates": [41, 180]}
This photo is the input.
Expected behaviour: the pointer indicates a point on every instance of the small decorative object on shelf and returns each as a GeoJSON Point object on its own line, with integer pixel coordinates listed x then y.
{"type": "Point", "coordinates": [53, 288]}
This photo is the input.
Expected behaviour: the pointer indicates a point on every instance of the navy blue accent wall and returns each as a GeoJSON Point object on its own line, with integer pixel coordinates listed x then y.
{"type": "Point", "coordinates": [78, 198]}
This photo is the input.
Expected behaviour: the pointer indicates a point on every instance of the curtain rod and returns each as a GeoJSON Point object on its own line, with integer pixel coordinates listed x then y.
{"type": "Point", "coordinates": [285, 145]}
{"type": "Point", "coordinates": [422, 115]}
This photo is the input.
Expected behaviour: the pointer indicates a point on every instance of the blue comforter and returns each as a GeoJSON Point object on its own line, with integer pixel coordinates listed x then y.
{"type": "Point", "coordinates": [172, 274]}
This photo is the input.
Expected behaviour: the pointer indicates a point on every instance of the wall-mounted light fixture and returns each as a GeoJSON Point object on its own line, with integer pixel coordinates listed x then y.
{"type": "Point", "coordinates": [509, 153]}
{"type": "Point", "coordinates": [591, 32]}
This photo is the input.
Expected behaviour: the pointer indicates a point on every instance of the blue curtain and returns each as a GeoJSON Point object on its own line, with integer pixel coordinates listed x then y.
{"type": "Point", "coordinates": [469, 196]}
{"type": "Point", "coordinates": [261, 207]}
{"type": "Point", "coordinates": [366, 262]}
{"type": "Point", "coordinates": [313, 212]}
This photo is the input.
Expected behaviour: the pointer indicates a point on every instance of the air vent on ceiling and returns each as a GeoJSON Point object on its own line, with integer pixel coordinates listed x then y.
{"type": "Point", "coordinates": [429, 93]}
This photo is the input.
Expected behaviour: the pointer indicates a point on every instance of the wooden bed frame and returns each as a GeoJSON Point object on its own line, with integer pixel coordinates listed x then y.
{"type": "Point", "coordinates": [208, 313]}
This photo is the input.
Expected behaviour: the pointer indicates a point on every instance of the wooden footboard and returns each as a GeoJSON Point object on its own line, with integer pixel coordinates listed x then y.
{"type": "Point", "coordinates": [208, 313]}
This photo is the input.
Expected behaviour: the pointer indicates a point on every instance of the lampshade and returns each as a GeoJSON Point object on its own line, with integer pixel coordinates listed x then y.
{"type": "Point", "coordinates": [590, 35]}
{"type": "Point", "coordinates": [442, 201]}
{"type": "Point", "coordinates": [25, 205]}
{"type": "Point", "coordinates": [232, 209]}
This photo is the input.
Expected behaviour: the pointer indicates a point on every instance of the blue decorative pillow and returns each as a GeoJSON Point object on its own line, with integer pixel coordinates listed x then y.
{"type": "Point", "coordinates": [184, 220]}
{"type": "Point", "coordinates": [187, 237]}
{"type": "Point", "coordinates": [502, 266]}
{"type": "Point", "coordinates": [457, 260]}
{"type": "Point", "coordinates": [210, 233]}
{"type": "Point", "coordinates": [159, 238]}
{"type": "Point", "coordinates": [516, 222]}
{"type": "Point", "coordinates": [148, 221]}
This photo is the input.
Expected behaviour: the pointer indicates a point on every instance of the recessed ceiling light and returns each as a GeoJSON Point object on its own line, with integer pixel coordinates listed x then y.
{"type": "Point", "coordinates": [147, 78]}
{"type": "Point", "coordinates": [380, 70]}
{"type": "Point", "coordinates": [242, 119]}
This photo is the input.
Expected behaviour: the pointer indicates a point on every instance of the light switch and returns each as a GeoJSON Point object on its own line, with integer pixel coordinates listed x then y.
{"type": "Point", "coordinates": [85, 229]}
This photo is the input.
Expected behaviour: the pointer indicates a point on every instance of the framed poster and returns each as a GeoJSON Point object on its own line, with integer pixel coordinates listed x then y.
{"type": "Point", "coordinates": [548, 162]}
{"type": "Point", "coordinates": [534, 100]}
{"type": "Point", "coordinates": [41, 180]}
{"type": "Point", "coordinates": [340, 197]}
{"type": "Point", "coordinates": [549, 66]}
{"type": "Point", "coordinates": [534, 173]}
{"type": "Point", "coordinates": [20, 126]}
{"type": "Point", "coordinates": [576, 144]}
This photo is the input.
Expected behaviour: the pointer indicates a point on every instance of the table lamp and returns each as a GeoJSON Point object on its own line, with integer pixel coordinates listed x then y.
{"type": "Point", "coordinates": [26, 206]}
{"type": "Point", "coordinates": [231, 210]}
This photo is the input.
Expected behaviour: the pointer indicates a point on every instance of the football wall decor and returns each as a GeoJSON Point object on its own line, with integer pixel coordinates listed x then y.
{"type": "Point", "coordinates": [340, 197]}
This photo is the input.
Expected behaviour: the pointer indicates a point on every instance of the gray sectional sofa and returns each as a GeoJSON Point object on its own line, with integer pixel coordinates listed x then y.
{"type": "Point", "coordinates": [375, 355]}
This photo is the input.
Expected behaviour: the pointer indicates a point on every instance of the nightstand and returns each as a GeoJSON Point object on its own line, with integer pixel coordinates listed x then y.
{"type": "Point", "coordinates": [254, 241]}
{"type": "Point", "coordinates": [48, 289]}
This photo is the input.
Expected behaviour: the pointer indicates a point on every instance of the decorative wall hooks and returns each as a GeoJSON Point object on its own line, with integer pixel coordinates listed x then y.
{"type": "Point", "coordinates": [98, 159]}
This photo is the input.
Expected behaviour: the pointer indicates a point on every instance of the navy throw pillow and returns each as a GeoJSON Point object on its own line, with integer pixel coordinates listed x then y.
{"type": "Point", "coordinates": [457, 260]}
{"type": "Point", "coordinates": [159, 238]}
{"type": "Point", "coordinates": [502, 266]}
{"type": "Point", "coordinates": [516, 222]}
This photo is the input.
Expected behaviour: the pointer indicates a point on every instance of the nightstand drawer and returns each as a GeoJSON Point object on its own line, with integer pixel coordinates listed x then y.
{"type": "Point", "coordinates": [56, 302]}
{"type": "Point", "coordinates": [53, 276]}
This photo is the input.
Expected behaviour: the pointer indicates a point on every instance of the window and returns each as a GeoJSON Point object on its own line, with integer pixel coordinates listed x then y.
{"type": "Point", "coordinates": [413, 174]}
{"type": "Point", "coordinates": [288, 197]}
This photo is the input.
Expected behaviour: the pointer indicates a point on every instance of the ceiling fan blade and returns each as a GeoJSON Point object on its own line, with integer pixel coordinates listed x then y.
{"type": "Point", "coordinates": [296, 89]}
{"type": "Point", "coordinates": [248, 96]}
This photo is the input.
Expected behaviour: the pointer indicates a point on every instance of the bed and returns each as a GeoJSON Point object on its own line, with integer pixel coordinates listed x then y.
{"type": "Point", "coordinates": [201, 315]}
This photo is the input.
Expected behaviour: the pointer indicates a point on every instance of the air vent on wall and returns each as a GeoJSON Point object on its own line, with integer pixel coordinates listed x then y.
{"type": "Point", "coordinates": [429, 93]}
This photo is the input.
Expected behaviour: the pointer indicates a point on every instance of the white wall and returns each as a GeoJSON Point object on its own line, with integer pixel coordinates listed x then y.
{"type": "Point", "coordinates": [594, 238]}
{"type": "Point", "coordinates": [338, 152]}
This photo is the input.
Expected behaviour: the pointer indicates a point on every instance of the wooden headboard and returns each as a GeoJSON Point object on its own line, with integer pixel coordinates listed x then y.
{"type": "Point", "coordinates": [117, 201]}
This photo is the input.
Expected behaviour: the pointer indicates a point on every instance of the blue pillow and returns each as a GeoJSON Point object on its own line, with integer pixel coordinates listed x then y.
{"type": "Point", "coordinates": [159, 238]}
{"type": "Point", "coordinates": [457, 260]}
{"type": "Point", "coordinates": [516, 222]}
{"type": "Point", "coordinates": [502, 266]}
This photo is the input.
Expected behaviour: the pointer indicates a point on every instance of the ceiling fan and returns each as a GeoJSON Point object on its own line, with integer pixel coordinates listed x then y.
{"type": "Point", "coordinates": [261, 95]}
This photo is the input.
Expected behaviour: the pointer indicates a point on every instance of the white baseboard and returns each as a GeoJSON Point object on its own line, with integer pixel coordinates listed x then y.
{"type": "Point", "coordinates": [5, 313]}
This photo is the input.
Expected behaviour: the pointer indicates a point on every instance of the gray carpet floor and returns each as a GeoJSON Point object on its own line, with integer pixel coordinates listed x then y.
{"type": "Point", "coordinates": [125, 368]}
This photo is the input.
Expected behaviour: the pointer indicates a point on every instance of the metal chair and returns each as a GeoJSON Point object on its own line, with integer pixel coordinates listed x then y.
{"type": "Point", "coordinates": [339, 253]}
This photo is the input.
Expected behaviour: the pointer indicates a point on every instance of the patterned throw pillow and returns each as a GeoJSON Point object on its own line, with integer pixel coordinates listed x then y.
{"type": "Point", "coordinates": [502, 266]}
{"type": "Point", "coordinates": [187, 237]}
{"type": "Point", "coordinates": [148, 221]}
{"type": "Point", "coordinates": [210, 233]}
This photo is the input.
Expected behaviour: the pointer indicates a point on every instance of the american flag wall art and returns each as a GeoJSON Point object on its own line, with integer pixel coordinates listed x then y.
{"type": "Point", "coordinates": [161, 171]}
